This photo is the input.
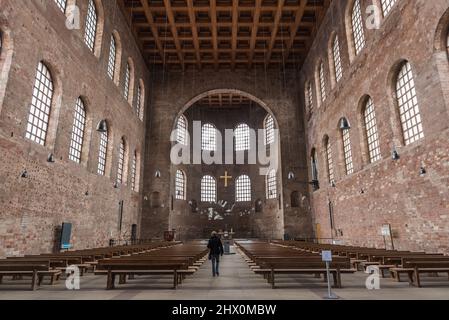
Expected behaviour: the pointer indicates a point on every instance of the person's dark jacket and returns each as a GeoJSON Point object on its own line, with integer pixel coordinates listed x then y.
{"type": "Point", "coordinates": [215, 246]}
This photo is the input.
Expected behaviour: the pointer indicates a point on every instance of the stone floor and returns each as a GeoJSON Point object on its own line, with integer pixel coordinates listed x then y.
{"type": "Point", "coordinates": [236, 282]}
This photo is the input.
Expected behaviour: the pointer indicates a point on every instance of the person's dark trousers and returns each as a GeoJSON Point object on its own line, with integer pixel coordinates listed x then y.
{"type": "Point", "coordinates": [215, 265]}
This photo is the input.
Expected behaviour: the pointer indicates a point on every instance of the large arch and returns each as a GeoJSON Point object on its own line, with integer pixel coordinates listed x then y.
{"type": "Point", "coordinates": [193, 222]}
{"type": "Point", "coordinates": [237, 92]}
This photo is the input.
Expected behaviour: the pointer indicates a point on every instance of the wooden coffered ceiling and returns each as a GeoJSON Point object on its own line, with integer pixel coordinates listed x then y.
{"type": "Point", "coordinates": [224, 33]}
{"type": "Point", "coordinates": [225, 101]}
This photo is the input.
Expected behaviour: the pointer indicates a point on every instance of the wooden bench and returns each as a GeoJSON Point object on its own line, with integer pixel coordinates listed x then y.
{"type": "Point", "coordinates": [415, 267]}
{"type": "Point", "coordinates": [36, 271]}
{"type": "Point", "coordinates": [269, 260]}
{"type": "Point", "coordinates": [123, 268]}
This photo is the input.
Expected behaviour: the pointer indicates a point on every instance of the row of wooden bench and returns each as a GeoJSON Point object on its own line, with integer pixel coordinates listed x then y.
{"type": "Point", "coordinates": [269, 259]}
{"type": "Point", "coordinates": [413, 264]}
{"type": "Point", "coordinates": [178, 261]}
{"type": "Point", "coordinates": [37, 267]}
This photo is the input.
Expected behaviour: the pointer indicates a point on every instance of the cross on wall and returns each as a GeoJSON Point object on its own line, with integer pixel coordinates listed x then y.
{"type": "Point", "coordinates": [226, 178]}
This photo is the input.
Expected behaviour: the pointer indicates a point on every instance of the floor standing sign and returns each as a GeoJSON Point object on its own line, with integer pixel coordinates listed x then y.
{"type": "Point", "coordinates": [327, 257]}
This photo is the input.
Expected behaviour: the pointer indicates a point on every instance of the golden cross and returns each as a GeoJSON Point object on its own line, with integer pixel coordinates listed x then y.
{"type": "Point", "coordinates": [226, 178]}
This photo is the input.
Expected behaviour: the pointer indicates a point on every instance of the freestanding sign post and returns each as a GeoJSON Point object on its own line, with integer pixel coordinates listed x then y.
{"type": "Point", "coordinates": [327, 257]}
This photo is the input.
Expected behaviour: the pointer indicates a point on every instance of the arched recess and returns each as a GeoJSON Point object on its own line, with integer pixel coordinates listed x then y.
{"type": "Point", "coordinates": [271, 212]}
{"type": "Point", "coordinates": [331, 60]}
{"type": "Point", "coordinates": [118, 57]}
{"type": "Point", "coordinates": [56, 103]}
{"type": "Point", "coordinates": [86, 146]}
{"type": "Point", "coordinates": [236, 92]}
{"type": "Point", "coordinates": [131, 81]}
{"type": "Point", "coordinates": [442, 33]}
{"type": "Point", "coordinates": [141, 100]}
{"type": "Point", "coordinates": [441, 54]}
{"type": "Point", "coordinates": [100, 27]}
{"type": "Point", "coordinates": [349, 27]}
{"type": "Point", "coordinates": [361, 127]}
{"type": "Point", "coordinates": [6, 54]}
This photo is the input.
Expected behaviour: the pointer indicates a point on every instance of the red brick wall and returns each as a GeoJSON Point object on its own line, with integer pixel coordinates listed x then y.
{"type": "Point", "coordinates": [32, 209]}
{"type": "Point", "coordinates": [388, 191]}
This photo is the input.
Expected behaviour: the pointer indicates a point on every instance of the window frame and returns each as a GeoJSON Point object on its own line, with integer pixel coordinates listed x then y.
{"type": "Point", "coordinates": [78, 131]}
{"type": "Point", "coordinates": [41, 105]}
{"type": "Point", "coordinates": [243, 189]}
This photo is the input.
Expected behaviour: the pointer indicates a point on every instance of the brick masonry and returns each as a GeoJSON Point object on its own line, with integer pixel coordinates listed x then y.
{"type": "Point", "coordinates": [173, 94]}
{"type": "Point", "coordinates": [387, 192]}
{"type": "Point", "coordinates": [33, 209]}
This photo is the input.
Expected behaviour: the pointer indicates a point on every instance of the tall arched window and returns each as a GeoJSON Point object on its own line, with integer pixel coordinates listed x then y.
{"type": "Point", "coordinates": [127, 82]}
{"type": "Point", "coordinates": [134, 178]}
{"type": "Point", "coordinates": [242, 137]}
{"type": "Point", "coordinates": [322, 83]}
{"type": "Point", "coordinates": [337, 59]}
{"type": "Point", "coordinates": [387, 5]}
{"type": "Point", "coordinates": [209, 137]}
{"type": "Point", "coordinates": [314, 165]}
{"type": "Point", "coordinates": [40, 108]}
{"type": "Point", "coordinates": [140, 100]}
{"type": "Point", "coordinates": [208, 189]}
{"type": "Point", "coordinates": [79, 125]}
{"type": "Point", "coordinates": [121, 162]}
{"type": "Point", "coordinates": [112, 58]}
{"type": "Point", "coordinates": [309, 96]}
{"type": "Point", "coordinates": [180, 185]}
{"type": "Point", "coordinates": [243, 189]}
{"type": "Point", "coordinates": [372, 135]}
{"type": "Point", "coordinates": [347, 151]}
{"type": "Point", "coordinates": [329, 160]}
{"type": "Point", "coordinates": [408, 105]}
{"type": "Point", "coordinates": [358, 32]}
{"type": "Point", "coordinates": [102, 154]}
{"type": "Point", "coordinates": [269, 130]}
{"type": "Point", "coordinates": [271, 185]}
{"type": "Point", "coordinates": [181, 130]}
{"type": "Point", "coordinates": [62, 4]}
{"type": "Point", "coordinates": [90, 32]}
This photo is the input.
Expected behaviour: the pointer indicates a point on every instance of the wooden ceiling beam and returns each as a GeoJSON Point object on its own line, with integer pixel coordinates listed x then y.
{"type": "Point", "coordinates": [274, 32]}
{"type": "Point", "coordinates": [255, 28]}
{"type": "Point", "coordinates": [196, 41]}
{"type": "Point", "coordinates": [154, 30]}
{"type": "Point", "coordinates": [174, 31]}
{"type": "Point", "coordinates": [213, 15]}
{"type": "Point", "coordinates": [235, 18]}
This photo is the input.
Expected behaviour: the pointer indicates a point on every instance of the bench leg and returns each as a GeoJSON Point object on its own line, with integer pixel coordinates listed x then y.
{"type": "Point", "coordinates": [175, 280]}
{"type": "Point", "coordinates": [418, 279]}
{"type": "Point", "coordinates": [34, 280]}
{"type": "Point", "coordinates": [111, 281]}
{"type": "Point", "coordinates": [337, 279]}
{"type": "Point", "coordinates": [273, 286]}
{"type": "Point", "coordinates": [1, 279]}
{"type": "Point", "coordinates": [52, 280]}
{"type": "Point", "coordinates": [122, 279]}
{"type": "Point", "coordinates": [40, 278]}
{"type": "Point", "coordinates": [131, 277]}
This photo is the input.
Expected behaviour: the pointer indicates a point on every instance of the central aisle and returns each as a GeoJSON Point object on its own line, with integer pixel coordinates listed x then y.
{"type": "Point", "coordinates": [236, 282]}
